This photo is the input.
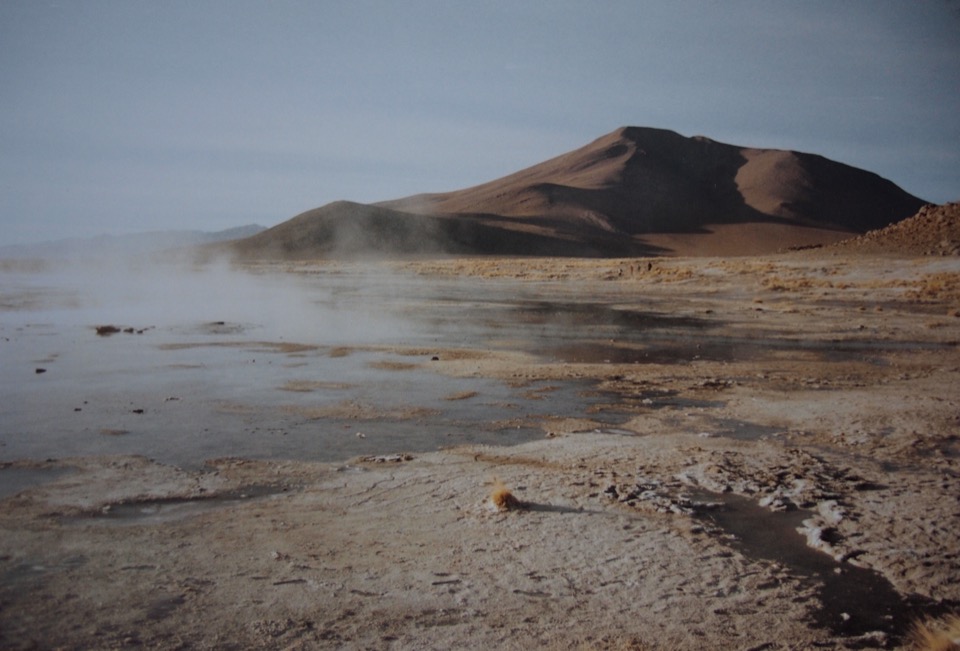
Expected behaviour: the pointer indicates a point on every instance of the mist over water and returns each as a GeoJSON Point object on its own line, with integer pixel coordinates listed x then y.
{"type": "Point", "coordinates": [141, 293]}
{"type": "Point", "coordinates": [206, 361]}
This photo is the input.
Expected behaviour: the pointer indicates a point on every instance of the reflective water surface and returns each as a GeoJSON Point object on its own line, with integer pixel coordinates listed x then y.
{"type": "Point", "coordinates": [183, 366]}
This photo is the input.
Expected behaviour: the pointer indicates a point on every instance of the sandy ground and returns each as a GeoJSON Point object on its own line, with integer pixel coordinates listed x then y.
{"type": "Point", "coordinates": [806, 497]}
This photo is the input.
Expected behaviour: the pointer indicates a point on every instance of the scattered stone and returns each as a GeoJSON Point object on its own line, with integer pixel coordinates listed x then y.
{"type": "Point", "coordinates": [109, 329]}
{"type": "Point", "coordinates": [716, 383]}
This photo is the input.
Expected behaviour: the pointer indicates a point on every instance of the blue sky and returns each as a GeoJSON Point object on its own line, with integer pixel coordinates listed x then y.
{"type": "Point", "coordinates": [122, 116]}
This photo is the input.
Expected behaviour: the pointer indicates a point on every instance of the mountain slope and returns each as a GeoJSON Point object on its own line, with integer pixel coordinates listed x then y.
{"type": "Point", "coordinates": [345, 228]}
{"type": "Point", "coordinates": [641, 180]}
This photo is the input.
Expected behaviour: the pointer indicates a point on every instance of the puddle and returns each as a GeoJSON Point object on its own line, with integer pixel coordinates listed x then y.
{"type": "Point", "coordinates": [215, 328]}
{"type": "Point", "coordinates": [740, 429]}
{"type": "Point", "coordinates": [172, 509]}
{"type": "Point", "coordinates": [665, 399]}
{"type": "Point", "coordinates": [579, 314]}
{"type": "Point", "coordinates": [651, 351]}
{"type": "Point", "coordinates": [16, 479]}
{"type": "Point", "coordinates": [855, 601]}
{"type": "Point", "coordinates": [616, 431]}
{"type": "Point", "coordinates": [681, 348]}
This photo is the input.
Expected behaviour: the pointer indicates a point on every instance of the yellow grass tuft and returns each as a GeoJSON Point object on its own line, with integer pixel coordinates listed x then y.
{"type": "Point", "coordinates": [936, 634]}
{"type": "Point", "coordinates": [502, 498]}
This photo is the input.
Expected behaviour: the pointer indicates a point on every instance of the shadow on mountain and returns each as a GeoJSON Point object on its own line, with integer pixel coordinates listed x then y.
{"type": "Point", "coordinates": [347, 229]}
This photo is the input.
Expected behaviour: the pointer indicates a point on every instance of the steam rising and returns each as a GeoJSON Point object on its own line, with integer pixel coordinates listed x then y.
{"type": "Point", "coordinates": [178, 292]}
{"type": "Point", "coordinates": [181, 361]}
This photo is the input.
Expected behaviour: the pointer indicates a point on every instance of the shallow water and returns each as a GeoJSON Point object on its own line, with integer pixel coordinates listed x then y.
{"type": "Point", "coordinates": [14, 479]}
{"type": "Point", "coordinates": [221, 363]}
{"type": "Point", "coordinates": [216, 362]}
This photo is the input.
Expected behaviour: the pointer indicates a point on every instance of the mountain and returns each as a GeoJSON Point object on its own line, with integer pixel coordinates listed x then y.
{"type": "Point", "coordinates": [635, 191]}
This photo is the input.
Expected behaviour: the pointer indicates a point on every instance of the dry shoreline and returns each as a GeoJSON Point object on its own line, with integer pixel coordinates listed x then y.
{"type": "Point", "coordinates": [821, 389]}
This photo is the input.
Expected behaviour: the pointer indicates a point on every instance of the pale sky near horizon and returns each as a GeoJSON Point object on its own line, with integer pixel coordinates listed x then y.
{"type": "Point", "coordinates": [124, 116]}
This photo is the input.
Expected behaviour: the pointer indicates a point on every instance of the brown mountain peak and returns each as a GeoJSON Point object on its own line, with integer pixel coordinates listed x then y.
{"type": "Point", "coordinates": [643, 190]}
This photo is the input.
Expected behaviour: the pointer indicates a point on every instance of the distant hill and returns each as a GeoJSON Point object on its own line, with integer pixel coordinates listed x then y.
{"type": "Point", "coordinates": [126, 245]}
{"type": "Point", "coordinates": [635, 191]}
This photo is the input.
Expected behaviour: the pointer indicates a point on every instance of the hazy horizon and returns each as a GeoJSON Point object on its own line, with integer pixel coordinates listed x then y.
{"type": "Point", "coordinates": [130, 117]}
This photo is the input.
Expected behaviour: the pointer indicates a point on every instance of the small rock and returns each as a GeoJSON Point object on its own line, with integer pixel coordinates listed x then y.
{"type": "Point", "coordinates": [106, 330]}
{"type": "Point", "coordinates": [387, 458]}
